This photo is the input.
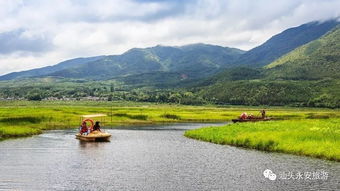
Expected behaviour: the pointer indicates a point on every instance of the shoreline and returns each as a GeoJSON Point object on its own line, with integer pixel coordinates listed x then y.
{"type": "Point", "coordinates": [159, 123]}
{"type": "Point", "coordinates": [311, 137]}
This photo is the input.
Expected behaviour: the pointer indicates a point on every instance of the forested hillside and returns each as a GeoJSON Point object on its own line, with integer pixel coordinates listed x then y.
{"type": "Point", "coordinates": [316, 60]}
{"type": "Point", "coordinates": [284, 42]}
{"type": "Point", "coordinates": [307, 76]}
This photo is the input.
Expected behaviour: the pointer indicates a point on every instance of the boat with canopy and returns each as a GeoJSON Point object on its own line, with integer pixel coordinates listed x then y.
{"type": "Point", "coordinates": [89, 132]}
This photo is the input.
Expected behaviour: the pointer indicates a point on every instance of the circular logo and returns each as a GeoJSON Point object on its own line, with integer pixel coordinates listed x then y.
{"type": "Point", "coordinates": [267, 172]}
{"type": "Point", "coordinates": [272, 176]}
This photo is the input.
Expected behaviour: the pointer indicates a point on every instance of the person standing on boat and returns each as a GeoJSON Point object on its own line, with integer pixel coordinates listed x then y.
{"type": "Point", "coordinates": [96, 127]}
{"type": "Point", "coordinates": [263, 113]}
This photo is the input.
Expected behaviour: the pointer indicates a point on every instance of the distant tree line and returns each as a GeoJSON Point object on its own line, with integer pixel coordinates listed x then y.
{"type": "Point", "coordinates": [276, 93]}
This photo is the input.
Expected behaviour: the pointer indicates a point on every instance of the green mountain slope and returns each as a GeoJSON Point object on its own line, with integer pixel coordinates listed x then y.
{"type": "Point", "coordinates": [184, 62]}
{"type": "Point", "coordinates": [192, 61]}
{"type": "Point", "coordinates": [49, 69]}
{"type": "Point", "coordinates": [307, 76]}
{"type": "Point", "coordinates": [315, 60]}
{"type": "Point", "coordinates": [284, 42]}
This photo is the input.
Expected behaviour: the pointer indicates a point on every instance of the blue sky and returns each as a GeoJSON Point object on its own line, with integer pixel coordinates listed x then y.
{"type": "Point", "coordinates": [36, 33]}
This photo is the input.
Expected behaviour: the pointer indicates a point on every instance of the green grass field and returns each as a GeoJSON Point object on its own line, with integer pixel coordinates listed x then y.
{"type": "Point", "coordinates": [310, 137]}
{"type": "Point", "coordinates": [305, 131]}
{"type": "Point", "coordinates": [23, 118]}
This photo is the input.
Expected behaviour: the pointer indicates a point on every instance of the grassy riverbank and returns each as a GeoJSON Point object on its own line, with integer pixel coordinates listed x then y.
{"type": "Point", "coordinates": [310, 137]}
{"type": "Point", "coordinates": [24, 118]}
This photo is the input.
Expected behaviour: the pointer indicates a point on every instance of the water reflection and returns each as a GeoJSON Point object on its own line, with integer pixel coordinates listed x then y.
{"type": "Point", "coordinates": [92, 145]}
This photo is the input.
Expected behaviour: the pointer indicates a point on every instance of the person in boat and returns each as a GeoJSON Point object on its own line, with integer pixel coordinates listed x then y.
{"type": "Point", "coordinates": [244, 116]}
{"type": "Point", "coordinates": [96, 126]}
{"type": "Point", "coordinates": [263, 113]}
{"type": "Point", "coordinates": [83, 128]}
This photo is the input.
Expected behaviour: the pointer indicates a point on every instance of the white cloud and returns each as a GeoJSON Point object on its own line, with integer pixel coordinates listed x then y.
{"type": "Point", "coordinates": [80, 28]}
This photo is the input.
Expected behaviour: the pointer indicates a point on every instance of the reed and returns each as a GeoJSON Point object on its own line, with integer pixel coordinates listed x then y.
{"type": "Point", "coordinates": [31, 117]}
{"type": "Point", "coordinates": [318, 138]}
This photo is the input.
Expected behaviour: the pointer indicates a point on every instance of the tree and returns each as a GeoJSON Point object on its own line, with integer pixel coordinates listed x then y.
{"type": "Point", "coordinates": [34, 97]}
{"type": "Point", "coordinates": [110, 97]}
{"type": "Point", "coordinates": [112, 88]}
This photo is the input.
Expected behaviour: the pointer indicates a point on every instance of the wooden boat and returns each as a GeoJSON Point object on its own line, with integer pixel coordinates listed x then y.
{"type": "Point", "coordinates": [252, 120]}
{"type": "Point", "coordinates": [94, 136]}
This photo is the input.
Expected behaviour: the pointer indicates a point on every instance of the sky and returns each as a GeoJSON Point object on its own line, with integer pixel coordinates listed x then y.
{"type": "Point", "coordinates": [37, 33]}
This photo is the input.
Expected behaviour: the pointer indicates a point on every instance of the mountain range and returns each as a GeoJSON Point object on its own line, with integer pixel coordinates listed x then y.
{"type": "Point", "coordinates": [194, 61]}
{"type": "Point", "coordinates": [49, 69]}
{"type": "Point", "coordinates": [307, 76]}
{"type": "Point", "coordinates": [285, 42]}
{"type": "Point", "coordinates": [313, 61]}
{"type": "Point", "coordinates": [191, 61]}
{"type": "Point", "coordinates": [298, 66]}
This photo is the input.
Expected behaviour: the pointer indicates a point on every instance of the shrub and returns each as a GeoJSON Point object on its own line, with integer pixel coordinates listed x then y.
{"type": "Point", "coordinates": [171, 116]}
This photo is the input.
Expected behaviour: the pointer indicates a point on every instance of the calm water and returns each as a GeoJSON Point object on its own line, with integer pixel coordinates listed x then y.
{"type": "Point", "coordinates": [150, 158]}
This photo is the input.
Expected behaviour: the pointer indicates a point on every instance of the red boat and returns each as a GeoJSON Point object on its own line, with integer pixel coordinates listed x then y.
{"type": "Point", "coordinates": [251, 120]}
{"type": "Point", "coordinates": [244, 117]}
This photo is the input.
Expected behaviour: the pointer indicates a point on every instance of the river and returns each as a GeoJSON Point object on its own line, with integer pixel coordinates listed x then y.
{"type": "Point", "coordinates": [153, 158]}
